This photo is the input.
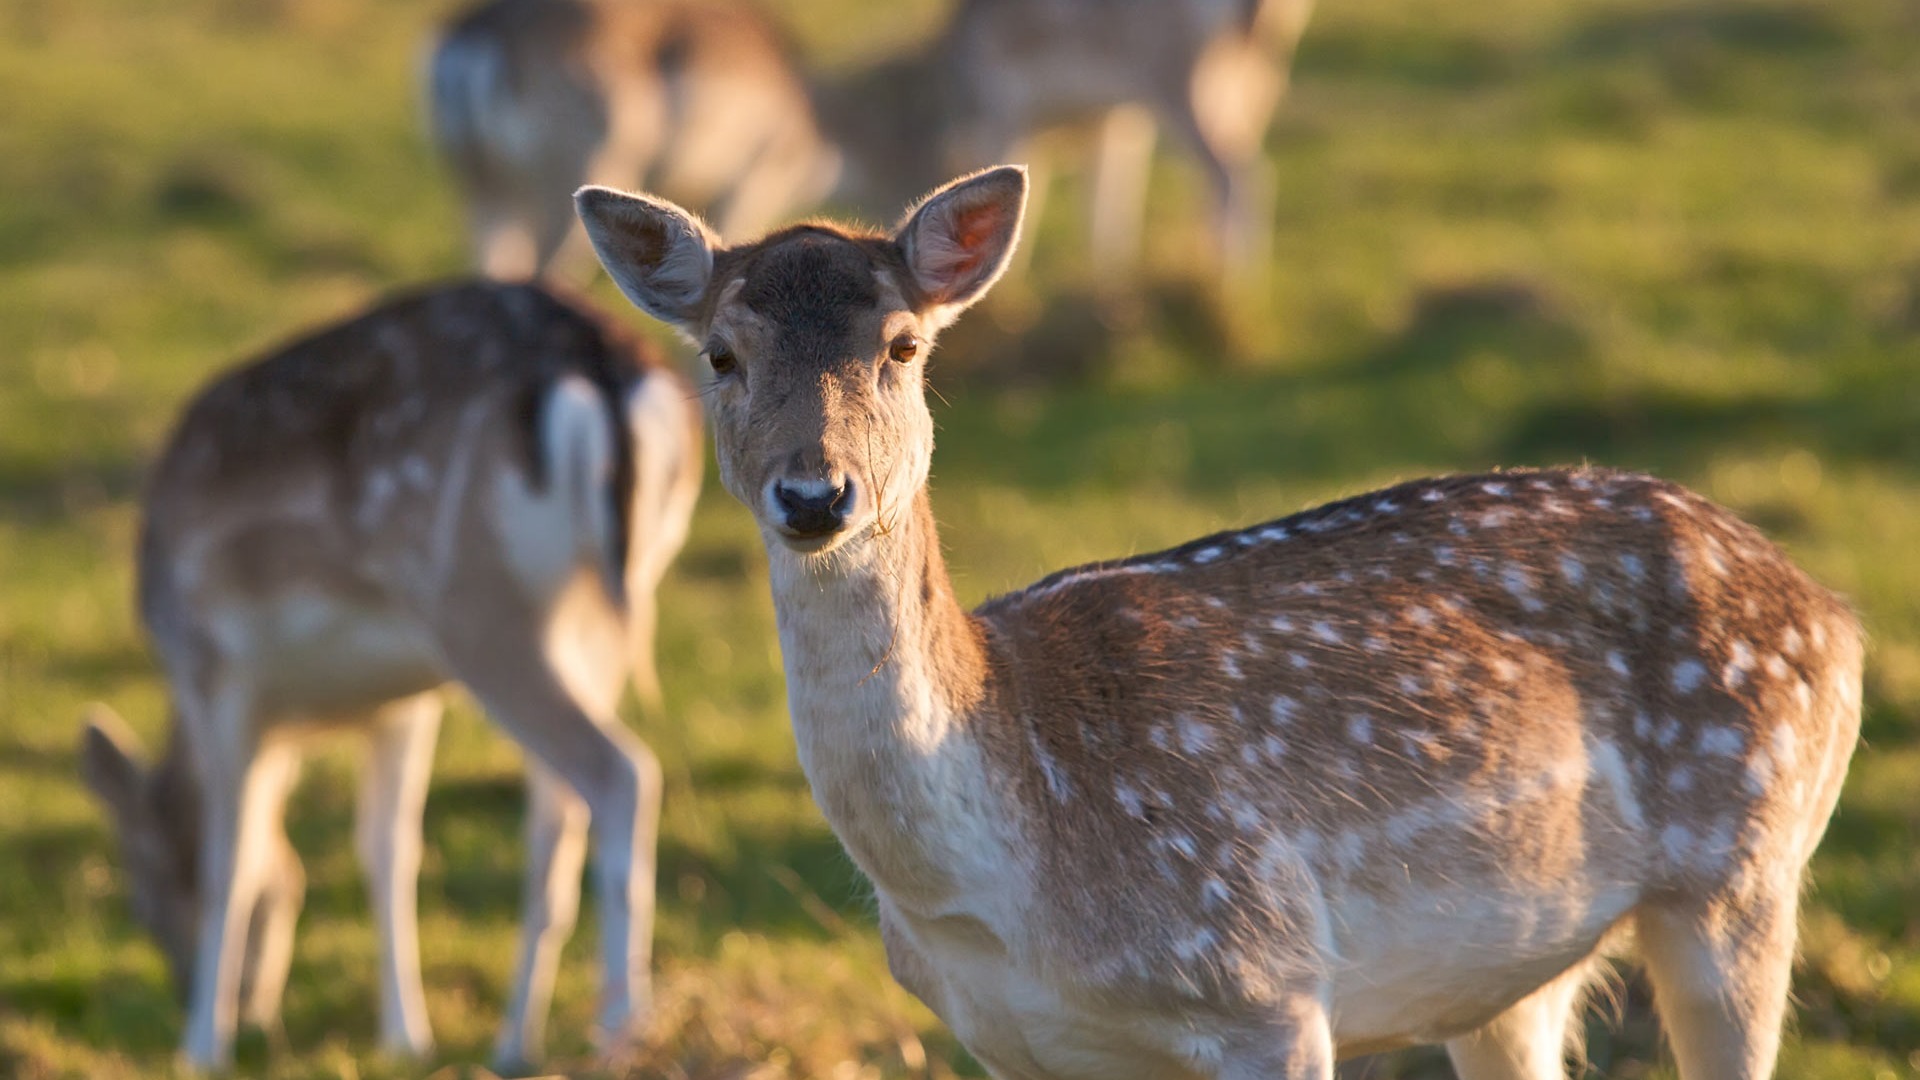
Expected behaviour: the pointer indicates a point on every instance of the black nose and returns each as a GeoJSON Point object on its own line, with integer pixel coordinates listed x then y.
{"type": "Point", "coordinates": [817, 510]}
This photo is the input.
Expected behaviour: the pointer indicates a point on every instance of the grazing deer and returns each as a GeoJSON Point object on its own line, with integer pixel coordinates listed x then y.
{"type": "Point", "coordinates": [479, 483]}
{"type": "Point", "coordinates": [532, 98]}
{"type": "Point", "coordinates": [1210, 72]}
{"type": "Point", "coordinates": [1388, 771]}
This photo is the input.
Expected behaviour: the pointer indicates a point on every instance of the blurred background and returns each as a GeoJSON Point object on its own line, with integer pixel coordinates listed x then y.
{"type": "Point", "coordinates": [1673, 235]}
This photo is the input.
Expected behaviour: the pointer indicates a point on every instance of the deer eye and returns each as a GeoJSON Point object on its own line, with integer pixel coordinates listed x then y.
{"type": "Point", "coordinates": [721, 359]}
{"type": "Point", "coordinates": [903, 348]}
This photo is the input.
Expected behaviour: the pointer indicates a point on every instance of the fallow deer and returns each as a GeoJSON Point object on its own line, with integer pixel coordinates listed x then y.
{"type": "Point", "coordinates": [529, 99]}
{"type": "Point", "coordinates": [477, 483]}
{"type": "Point", "coordinates": [1210, 72]}
{"type": "Point", "coordinates": [1388, 771]}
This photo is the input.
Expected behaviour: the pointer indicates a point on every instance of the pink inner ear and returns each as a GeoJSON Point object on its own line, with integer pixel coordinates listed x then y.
{"type": "Point", "coordinates": [972, 229]}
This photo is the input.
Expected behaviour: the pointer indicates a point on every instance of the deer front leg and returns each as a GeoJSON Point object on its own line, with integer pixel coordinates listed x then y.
{"type": "Point", "coordinates": [557, 703]}
{"type": "Point", "coordinates": [393, 796]}
{"type": "Point", "coordinates": [243, 795]}
{"type": "Point", "coordinates": [556, 850]}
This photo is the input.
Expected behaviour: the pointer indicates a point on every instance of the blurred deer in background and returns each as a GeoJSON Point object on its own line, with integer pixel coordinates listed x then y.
{"type": "Point", "coordinates": [1211, 72]}
{"type": "Point", "coordinates": [529, 99]}
{"type": "Point", "coordinates": [1389, 771]}
{"type": "Point", "coordinates": [478, 483]}
{"type": "Point", "coordinates": [703, 102]}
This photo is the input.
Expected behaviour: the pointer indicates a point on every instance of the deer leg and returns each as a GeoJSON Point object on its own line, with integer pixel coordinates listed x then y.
{"type": "Point", "coordinates": [504, 244]}
{"type": "Point", "coordinates": [1295, 1044]}
{"type": "Point", "coordinates": [1121, 168]}
{"type": "Point", "coordinates": [557, 702]}
{"type": "Point", "coordinates": [263, 980]}
{"type": "Point", "coordinates": [393, 795]}
{"type": "Point", "coordinates": [556, 850]}
{"type": "Point", "coordinates": [1720, 974]}
{"type": "Point", "coordinates": [1529, 1040]}
{"type": "Point", "coordinates": [244, 787]}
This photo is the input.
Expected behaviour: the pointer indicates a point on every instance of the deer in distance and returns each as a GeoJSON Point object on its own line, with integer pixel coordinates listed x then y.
{"type": "Point", "coordinates": [479, 483]}
{"type": "Point", "coordinates": [1395, 770]}
{"type": "Point", "coordinates": [529, 99]}
{"type": "Point", "coordinates": [705, 103]}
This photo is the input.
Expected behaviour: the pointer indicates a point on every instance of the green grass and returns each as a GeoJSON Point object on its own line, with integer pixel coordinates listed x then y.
{"type": "Point", "coordinates": [1682, 236]}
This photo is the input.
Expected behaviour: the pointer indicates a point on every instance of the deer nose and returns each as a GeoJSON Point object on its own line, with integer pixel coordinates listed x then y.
{"type": "Point", "coordinates": [814, 508]}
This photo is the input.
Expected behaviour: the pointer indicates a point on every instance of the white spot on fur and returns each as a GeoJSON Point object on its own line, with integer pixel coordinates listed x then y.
{"type": "Point", "coordinates": [1572, 570]}
{"type": "Point", "coordinates": [1360, 728]}
{"type": "Point", "coordinates": [1298, 660]}
{"type": "Point", "coordinates": [1495, 489]}
{"type": "Point", "coordinates": [1410, 686]}
{"type": "Point", "coordinates": [1274, 747]}
{"type": "Point", "coordinates": [1432, 495]}
{"type": "Point", "coordinates": [1129, 799]}
{"type": "Point", "coordinates": [1183, 844]}
{"type": "Point", "coordinates": [1737, 666]}
{"type": "Point", "coordinates": [1791, 641]}
{"type": "Point", "coordinates": [1721, 741]}
{"type": "Point", "coordinates": [1777, 666]}
{"type": "Point", "coordinates": [1633, 566]}
{"type": "Point", "coordinates": [1282, 624]}
{"type": "Point", "coordinates": [1323, 630]}
{"type": "Point", "coordinates": [1444, 555]}
{"type": "Point", "coordinates": [1677, 841]}
{"type": "Point", "coordinates": [1196, 944]}
{"type": "Point", "coordinates": [1284, 709]}
{"type": "Point", "coordinates": [1208, 554]}
{"type": "Point", "coordinates": [1519, 582]}
{"type": "Point", "coordinates": [1617, 663]}
{"type": "Point", "coordinates": [1230, 666]}
{"type": "Point", "coordinates": [1681, 779]}
{"type": "Point", "coordinates": [1385, 506]}
{"type": "Point", "coordinates": [1612, 767]}
{"type": "Point", "coordinates": [1419, 616]}
{"type": "Point", "coordinates": [1688, 675]}
{"type": "Point", "coordinates": [1273, 534]}
{"type": "Point", "coordinates": [1195, 735]}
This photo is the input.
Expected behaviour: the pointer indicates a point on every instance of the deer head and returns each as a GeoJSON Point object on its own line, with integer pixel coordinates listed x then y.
{"type": "Point", "coordinates": [157, 827]}
{"type": "Point", "coordinates": [818, 338]}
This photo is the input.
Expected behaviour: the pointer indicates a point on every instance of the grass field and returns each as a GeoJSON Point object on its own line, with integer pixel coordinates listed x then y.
{"type": "Point", "coordinates": [1679, 235]}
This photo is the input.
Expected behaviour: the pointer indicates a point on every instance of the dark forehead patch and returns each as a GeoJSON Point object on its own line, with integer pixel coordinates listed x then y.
{"type": "Point", "coordinates": [811, 284]}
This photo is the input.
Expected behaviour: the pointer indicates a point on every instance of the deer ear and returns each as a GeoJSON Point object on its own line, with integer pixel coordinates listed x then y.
{"type": "Point", "coordinates": [958, 240]}
{"type": "Point", "coordinates": [110, 758]}
{"type": "Point", "coordinates": [660, 255]}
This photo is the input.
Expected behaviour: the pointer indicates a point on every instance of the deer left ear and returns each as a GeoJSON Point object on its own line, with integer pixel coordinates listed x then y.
{"type": "Point", "coordinates": [958, 240]}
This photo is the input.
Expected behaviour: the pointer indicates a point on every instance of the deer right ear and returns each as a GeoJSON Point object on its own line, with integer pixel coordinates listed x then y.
{"type": "Point", "coordinates": [660, 255]}
{"type": "Point", "coordinates": [110, 758]}
{"type": "Point", "coordinates": [959, 239]}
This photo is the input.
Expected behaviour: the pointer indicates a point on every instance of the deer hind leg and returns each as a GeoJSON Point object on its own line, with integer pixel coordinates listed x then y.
{"type": "Point", "coordinates": [1223, 114]}
{"type": "Point", "coordinates": [556, 850]}
{"type": "Point", "coordinates": [1122, 166]}
{"type": "Point", "coordinates": [554, 694]}
{"type": "Point", "coordinates": [1529, 1040]}
{"type": "Point", "coordinates": [393, 795]}
{"type": "Point", "coordinates": [1720, 973]}
{"type": "Point", "coordinates": [244, 791]}
{"type": "Point", "coordinates": [263, 980]}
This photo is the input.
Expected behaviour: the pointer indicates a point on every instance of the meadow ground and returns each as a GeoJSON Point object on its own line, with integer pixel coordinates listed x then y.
{"type": "Point", "coordinates": [1680, 235]}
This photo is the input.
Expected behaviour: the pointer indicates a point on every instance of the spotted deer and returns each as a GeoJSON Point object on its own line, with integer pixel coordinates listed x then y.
{"type": "Point", "coordinates": [1388, 771]}
{"type": "Point", "coordinates": [1210, 73]}
{"type": "Point", "coordinates": [529, 99]}
{"type": "Point", "coordinates": [479, 484]}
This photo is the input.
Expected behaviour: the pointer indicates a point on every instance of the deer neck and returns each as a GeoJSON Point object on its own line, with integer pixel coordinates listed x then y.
{"type": "Point", "coordinates": [887, 683]}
